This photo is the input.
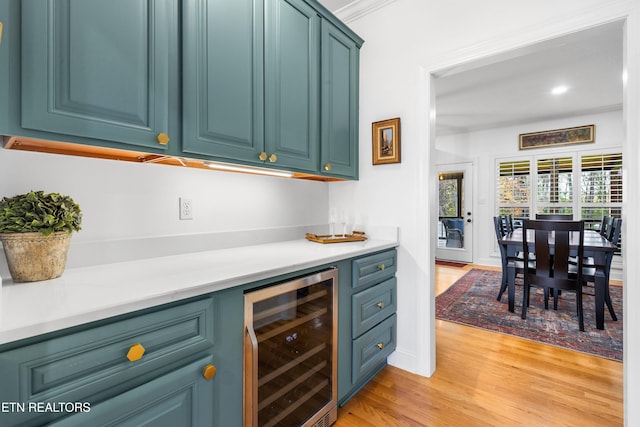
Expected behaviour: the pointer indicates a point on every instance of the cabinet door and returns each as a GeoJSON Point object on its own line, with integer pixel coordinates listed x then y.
{"type": "Point", "coordinates": [339, 147]}
{"type": "Point", "coordinates": [100, 69]}
{"type": "Point", "coordinates": [292, 43]}
{"type": "Point", "coordinates": [181, 398]}
{"type": "Point", "coordinates": [223, 79]}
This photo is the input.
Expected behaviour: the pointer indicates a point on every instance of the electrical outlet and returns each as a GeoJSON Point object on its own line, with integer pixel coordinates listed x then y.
{"type": "Point", "coordinates": [186, 208]}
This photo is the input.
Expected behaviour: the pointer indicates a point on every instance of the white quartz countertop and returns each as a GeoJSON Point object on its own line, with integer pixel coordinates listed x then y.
{"type": "Point", "coordinates": [87, 294]}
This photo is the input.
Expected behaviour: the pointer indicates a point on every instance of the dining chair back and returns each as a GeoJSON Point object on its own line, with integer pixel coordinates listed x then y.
{"type": "Point", "coordinates": [554, 217]}
{"type": "Point", "coordinates": [499, 229]}
{"type": "Point", "coordinates": [616, 228]}
{"type": "Point", "coordinates": [506, 224]}
{"type": "Point", "coordinates": [553, 270]}
{"type": "Point", "coordinates": [606, 228]}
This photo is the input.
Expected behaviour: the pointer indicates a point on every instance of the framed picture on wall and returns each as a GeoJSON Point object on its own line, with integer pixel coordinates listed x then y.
{"type": "Point", "coordinates": [557, 137]}
{"type": "Point", "coordinates": [386, 141]}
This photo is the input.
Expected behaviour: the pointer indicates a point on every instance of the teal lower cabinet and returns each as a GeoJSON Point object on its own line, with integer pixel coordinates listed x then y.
{"type": "Point", "coordinates": [68, 372]}
{"type": "Point", "coordinates": [367, 321]}
{"type": "Point", "coordinates": [181, 364]}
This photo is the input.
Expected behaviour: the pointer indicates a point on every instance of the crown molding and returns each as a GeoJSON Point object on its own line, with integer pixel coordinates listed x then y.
{"type": "Point", "coordinates": [359, 8]}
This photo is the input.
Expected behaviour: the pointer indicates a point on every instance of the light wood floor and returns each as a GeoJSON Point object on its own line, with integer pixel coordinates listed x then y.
{"type": "Point", "coordinates": [484, 378]}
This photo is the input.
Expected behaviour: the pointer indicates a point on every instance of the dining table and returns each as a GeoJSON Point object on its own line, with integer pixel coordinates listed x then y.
{"type": "Point", "coordinates": [595, 246]}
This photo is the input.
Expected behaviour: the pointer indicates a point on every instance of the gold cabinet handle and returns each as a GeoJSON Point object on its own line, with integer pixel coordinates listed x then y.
{"type": "Point", "coordinates": [0, 31]}
{"type": "Point", "coordinates": [209, 372]}
{"type": "Point", "coordinates": [163, 138]}
{"type": "Point", "coordinates": [380, 345]}
{"type": "Point", "coordinates": [380, 267]}
{"type": "Point", "coordinates": [380, 305]}
{"type": "Point", "coordinates": [136, 352]}
{"type": "Point", "coordinates": [273, 158]}
{"type": "Point", "coordinates": [327, 167]}
{"type": "Point", "coordinates": [262, 156]}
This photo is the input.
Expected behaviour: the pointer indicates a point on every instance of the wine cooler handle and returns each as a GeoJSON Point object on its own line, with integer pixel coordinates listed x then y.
{"type": "Point", "coordinates": [251, 365]}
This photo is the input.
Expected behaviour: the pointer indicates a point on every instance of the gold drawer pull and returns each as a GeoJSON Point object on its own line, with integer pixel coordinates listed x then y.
{"type": "Point", "coordinates": [380, 267]}
{"type": "Point", "coordinates": [209, 372]}
{"type": "Point", "coordinates": [327, 167]}
{"type": "Point", "coordinates": [262, 156]}
{"type": "Point", "coordinates": [380, 345]}
{"type": "Point", "coordinates": [380, 305]}
{"type": "Point", "coordinates": [135, 352]}
{"type": "Point", "coordinates": [273, 158]}
{"type": "Point", "coordinates": [0, 31]}
{"type": "Point", "coordinates": [163, 138]}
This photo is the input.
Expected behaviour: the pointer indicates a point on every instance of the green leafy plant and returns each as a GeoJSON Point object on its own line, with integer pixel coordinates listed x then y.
{"type": "Point", "coordinates": [39, 212]}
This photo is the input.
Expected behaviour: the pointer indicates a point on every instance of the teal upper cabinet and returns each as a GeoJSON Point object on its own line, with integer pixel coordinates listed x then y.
{"type": "Point", "coordinates": [339, 132]}
{"type": "Point", "coordinates": [101, 69]}
{"type": "Point", "coordinates": [223, 79]}
{"type": "Point", "coordinates": [292, 90]}
{"type": "Point", "coordinates": [271, 83]}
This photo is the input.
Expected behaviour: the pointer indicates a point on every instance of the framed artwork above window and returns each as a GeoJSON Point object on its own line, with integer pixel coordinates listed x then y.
{"type": "Point", "coordinates": [553, 138]}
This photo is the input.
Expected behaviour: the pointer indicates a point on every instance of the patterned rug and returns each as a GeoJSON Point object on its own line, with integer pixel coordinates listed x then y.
{"type": "Point", "coordinates": [472, 301]}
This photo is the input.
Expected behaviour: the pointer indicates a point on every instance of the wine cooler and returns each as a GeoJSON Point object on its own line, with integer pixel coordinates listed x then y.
{"type": "Point", "coordinates": [290, 353]}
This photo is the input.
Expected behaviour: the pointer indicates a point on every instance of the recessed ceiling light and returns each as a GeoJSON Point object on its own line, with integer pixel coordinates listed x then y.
{"type": "Point", "coordinates": [559, 90]}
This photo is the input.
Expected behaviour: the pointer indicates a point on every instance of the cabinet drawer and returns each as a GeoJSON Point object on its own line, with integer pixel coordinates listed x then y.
{"type": "Point", "coordinates": [373, 347]}
{"type": "Point", "coordinates": [94, 361]}
{"type": "Point", "coordinates": [180, 398]}
{"type": "Point", "coordinates": [374, 268]}
{"type": "Point", "coordinates": [373, 305]}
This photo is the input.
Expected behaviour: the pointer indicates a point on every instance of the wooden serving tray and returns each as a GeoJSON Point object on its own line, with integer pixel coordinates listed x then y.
{"type": "Point", "coordinates": [356, 236]}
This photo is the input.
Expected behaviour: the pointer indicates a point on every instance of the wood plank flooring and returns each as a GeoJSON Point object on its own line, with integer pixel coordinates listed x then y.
{"type": "Point", "coordinates": [485, 378]}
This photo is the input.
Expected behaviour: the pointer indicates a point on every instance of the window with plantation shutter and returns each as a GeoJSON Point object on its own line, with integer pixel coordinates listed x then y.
{"type": "Point", "coordinates": [600, 187]}
{"type": "Point", "coordinates": [514, 188]}
{"type": "Point", "coordinates": [587, 185]}
{"type": "Point", "coordinates": [555, 185]}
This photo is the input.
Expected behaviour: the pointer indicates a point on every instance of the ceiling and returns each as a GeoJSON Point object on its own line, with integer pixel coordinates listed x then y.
{"type": "Point", "coordinates": [515, 88]}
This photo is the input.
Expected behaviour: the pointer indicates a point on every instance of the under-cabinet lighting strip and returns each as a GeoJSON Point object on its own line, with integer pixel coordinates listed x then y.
{"type": "Point", "coordinates": [247, 169]}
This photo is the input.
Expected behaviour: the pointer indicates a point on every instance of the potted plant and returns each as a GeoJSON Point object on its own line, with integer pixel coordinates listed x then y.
{"type": "Point", "coordinates": [35, 229]}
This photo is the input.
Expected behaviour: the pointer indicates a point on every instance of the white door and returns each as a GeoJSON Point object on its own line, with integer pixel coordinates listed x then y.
{"type": "Point", "coordinates": [455, 217]}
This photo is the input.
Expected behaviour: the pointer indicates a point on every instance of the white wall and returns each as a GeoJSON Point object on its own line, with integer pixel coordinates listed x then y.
{"type": "Point", "coordinates": [484, 147]}
{"type": "Point", "coordinates": [122, 200]}
{"type": "Point", "coordinates": [405, 42]}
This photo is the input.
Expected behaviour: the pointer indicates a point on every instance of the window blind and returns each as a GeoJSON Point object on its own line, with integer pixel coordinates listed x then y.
{"type": "Point", "coordinates": [555, 185]}
{"type": "Point", "coordinates": [514, 188]}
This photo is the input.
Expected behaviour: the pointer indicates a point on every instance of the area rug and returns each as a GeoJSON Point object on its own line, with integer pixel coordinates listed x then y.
{"type": "Point", "coordinates": [472, 301]}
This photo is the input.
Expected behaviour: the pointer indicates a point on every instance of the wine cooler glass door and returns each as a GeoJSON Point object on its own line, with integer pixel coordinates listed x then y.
{"type": "Point", "coordinates": [290, 352]}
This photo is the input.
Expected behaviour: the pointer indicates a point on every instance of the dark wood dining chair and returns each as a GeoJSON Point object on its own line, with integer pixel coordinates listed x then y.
{"type": "Point", "coordinates": [553, 270]}
{"type": "Point", "coordinates": [516, 262]}
{"type": "Point", "coordinates": [554, 217]}
{"type": "Point", "coordinates": [497, 225]}
{"type": "Point", "coordinates": [506, 223]}
{"type": "Point", "coordinates": [589, 269]}
{"type": "Point", "coordinates": [606, 227]}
